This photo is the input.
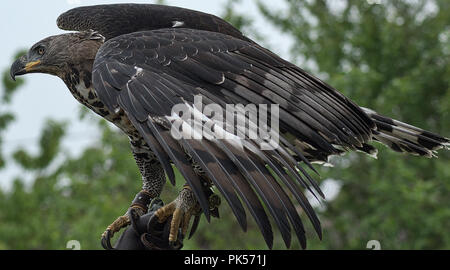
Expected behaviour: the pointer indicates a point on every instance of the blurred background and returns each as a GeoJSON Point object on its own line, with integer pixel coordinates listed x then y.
{"type": "Point", "coordinates": [65, 174]}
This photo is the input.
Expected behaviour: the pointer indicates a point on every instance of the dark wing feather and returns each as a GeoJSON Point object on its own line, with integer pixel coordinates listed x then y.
{"type": "Point", "coordinates": [246, 193]}
{"type": "Point", "coordinates": [119, 19]}
{"type": "Point", "coordinates": [147, 73]}
{"type": "Point", "coordinates": [259, 179]}
{"type": "Point", "coordinates": [219, 175]}
{"type": "Point", "coordinates": [180, 160]}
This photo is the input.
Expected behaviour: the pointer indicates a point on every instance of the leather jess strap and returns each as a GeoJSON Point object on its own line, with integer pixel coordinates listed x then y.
{"type": "Point", "coordinates": [142, 200]}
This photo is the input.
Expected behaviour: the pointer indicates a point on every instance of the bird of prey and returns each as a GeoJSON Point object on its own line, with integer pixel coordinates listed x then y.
{"type": "Point", "coordinates": [132, 63]}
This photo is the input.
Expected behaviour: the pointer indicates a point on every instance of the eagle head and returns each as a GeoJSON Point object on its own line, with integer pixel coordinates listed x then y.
{"type": "Point", "coordinates": [56, 55]}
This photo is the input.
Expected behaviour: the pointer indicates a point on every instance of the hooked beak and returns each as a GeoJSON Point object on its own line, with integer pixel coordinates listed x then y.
{"type": "Point", "coordinates": [21, 66]}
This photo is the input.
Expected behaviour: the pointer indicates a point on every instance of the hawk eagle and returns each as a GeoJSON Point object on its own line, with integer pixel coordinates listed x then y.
{"type": "Point", "coordinates": [131, 64]}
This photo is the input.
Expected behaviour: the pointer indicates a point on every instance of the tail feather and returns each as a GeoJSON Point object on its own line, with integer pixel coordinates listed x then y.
{"type": "Point", "coordinates": [402, 137]}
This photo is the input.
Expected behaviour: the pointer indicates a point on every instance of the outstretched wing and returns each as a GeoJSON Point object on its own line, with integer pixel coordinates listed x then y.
{"type": "Point", "coordinates": [147, 73]}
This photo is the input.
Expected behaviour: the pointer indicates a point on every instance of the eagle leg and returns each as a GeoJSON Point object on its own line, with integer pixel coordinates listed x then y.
{"type": "Point", "coordinates": [181, 210]}
{"type": "Point", "coordinates": [139, 206]}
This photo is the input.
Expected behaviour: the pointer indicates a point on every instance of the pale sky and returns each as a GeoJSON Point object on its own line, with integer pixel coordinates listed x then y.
{"type": "Point", "coordinates": [23, 23]}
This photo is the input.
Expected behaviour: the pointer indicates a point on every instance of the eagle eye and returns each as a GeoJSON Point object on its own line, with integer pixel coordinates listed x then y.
{"type": "Point", "coordinates": [40, 50]}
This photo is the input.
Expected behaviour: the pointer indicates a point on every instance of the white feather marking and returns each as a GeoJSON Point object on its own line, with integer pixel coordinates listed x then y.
{"type": "Point", "coordinates": [323, 163]}
{"type": "Point", "coordinates": [184, 58]}
{"type": "Point", "coordinates": [177, 23]}
{"type": "Point", "coordinates": [447, 146]}
{"type": "Point", "coordinates": [368, 111]}
{"type": "Point", "coordinates": [83, 91]}
{"type": "Point", "coordinates": [222, 80]}
{"type": "Point", "coordinates": [138, 70]}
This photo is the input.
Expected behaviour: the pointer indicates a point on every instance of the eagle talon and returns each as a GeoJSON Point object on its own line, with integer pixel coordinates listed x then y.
{"type": "Point", "coordinates": [106, 240]}
{"type": "Point", "coordinates": [178, 244]}
{"type": "Point", "coordinates": [178, 213]}
{"type": "Point", "coordinates": [121, 222]}
{"type": "Point", "coordinates": [138, 208]}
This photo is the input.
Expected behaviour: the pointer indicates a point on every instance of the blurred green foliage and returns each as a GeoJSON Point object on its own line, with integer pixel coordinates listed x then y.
{"type": "Point", "coordinates": [392, 57]}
